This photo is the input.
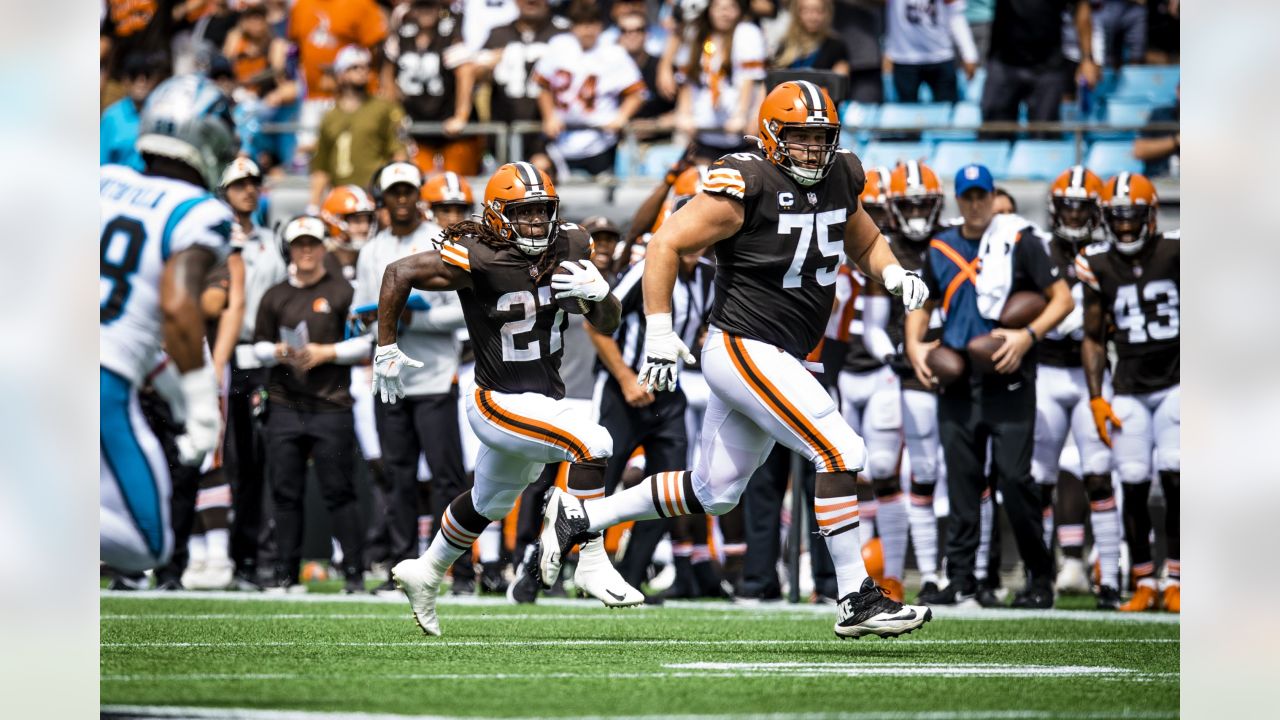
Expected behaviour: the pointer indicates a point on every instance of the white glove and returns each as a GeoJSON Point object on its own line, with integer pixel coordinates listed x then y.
{"type": "Point", "coordinates": [906, 285]}
{"type": "Point", "coordinates": [662, 349]}
{"type": "Point", "coordinates": [388, 362]}
{"type": "Point", "coordinates": [204, 415]}
{"type": "Point", "coordinates": [582, 281]}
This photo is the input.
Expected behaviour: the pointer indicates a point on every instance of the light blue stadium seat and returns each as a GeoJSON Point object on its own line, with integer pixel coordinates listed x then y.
{"type": "Point", "coordinates": [1157, 84]}
{"type": "Point", "coordinates": [1108, 157]}
{"type": "Point", "coordinates": [1128, 112]}
{"type": "Point", "coordinates": [624, 163]}
{"type": "Point", "coordinates": [971, 90]}
{"type": "Point", "coordinates": [1040, 159]}
{"type": "Point", "coordinates": [856, 119]}
{"type": "Point", "coordinates": [952, 155]}
{"type": "Point", "coordinates": [914, 115]}
{"type": "Point", "coordinates": [658, 159]}
{"type": "Point", "coordinates": [890, 154]}
{"type": "Point", "coordinates": [965, 119]}
{"type": "Point", "coordinates": [890, 92]}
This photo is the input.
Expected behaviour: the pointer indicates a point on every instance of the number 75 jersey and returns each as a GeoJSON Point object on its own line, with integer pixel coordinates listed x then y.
{"type": "Point", "coordinates": [775, 277]}
{"type": "Point", "coordinates": [1141, 300]}
{"type": "Point", "coordinates": [146, 220]}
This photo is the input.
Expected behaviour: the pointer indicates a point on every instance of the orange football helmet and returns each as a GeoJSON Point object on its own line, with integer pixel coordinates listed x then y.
{"type": "Point", "coordinates": [515, 188]}
{"type": "Point", "coordinates": [687, 184]}
{"type": "Point", "coordinates": [799, 104]}
{"type": "Point", "coordinates": [875, 197]}
{"type": "Point", "coordinates": [1129, 205]}
{"type": "Point", "coordinates": [915, 200]}
{"type": "Point", "coordinates": [1073, 204]}
{"type": "Point", "coordinates": [448, 188]}
{"type": "Point", "coordinates": [339, 205]}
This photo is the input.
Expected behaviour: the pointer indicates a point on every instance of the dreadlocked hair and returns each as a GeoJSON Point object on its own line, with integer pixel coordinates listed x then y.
{"type": "Point", "coordinates": [479, 231]}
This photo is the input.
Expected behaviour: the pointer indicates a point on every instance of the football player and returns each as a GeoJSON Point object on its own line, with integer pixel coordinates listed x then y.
{"type": "Point", "coordinates": [162, 232]}
{"type": "Point", "coordinates": [1062, 401]}
{"type": "Point", "coordinates": [781, 223]}
{"type": "Point", "coordinates": [515, 271]}
{"type": "Point", "coordinates": [1132, 284]}
{"type": "Point", "coordinates": [913, 203]}
{"type": "Point", "coordinates": [871, 401]}
{"type": "Point", "coordinates": [348, 214]}
{"type": "Point", "coordinates": [449, 199]}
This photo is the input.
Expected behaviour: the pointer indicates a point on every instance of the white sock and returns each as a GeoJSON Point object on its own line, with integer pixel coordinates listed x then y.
{"type": "Point", "coordinates": [985, 518]}
{"type": "Point", "coordinates": [217, 543]}
{"type": "Point", "coordinates": [924, 535]}
{"type": "Point", "coordinates": [662, 554]}
{"type": "Point", "coordinates": [197, 549]}
{"type": "Point", "coordinates": [638, 503]}
{"type": "Point", "coordinates": [490, 543]}
{"type": "Point", "coordinates": [1106, 537]}
{"type": "Point", "coordinates": [867, 528]}
{"type": "Point", "coordinates": [891, 515]}
{"type": "Point", "coordinates": [837, 522]}
{"type": "Point", "coordinates": [440, 556]}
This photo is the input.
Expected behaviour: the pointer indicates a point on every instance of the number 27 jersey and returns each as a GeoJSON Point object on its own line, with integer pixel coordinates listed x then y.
{"type": "Point", "coordinates": [146, 220]}
{"type": "Point", "coordinates": [775, 277]}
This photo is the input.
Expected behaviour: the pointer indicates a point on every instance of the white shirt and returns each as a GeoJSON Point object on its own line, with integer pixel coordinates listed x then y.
{"type": "Point", "coordinates": [922, 32]}
{"type": "Point", "coordinates": [715, 97]}
{"type": "Point", "coordinates": [145, 221]}
{"type": "Point", "coordinates": [480, 17]}
{"type": "Point", "coordinates": [429, 337]}
{"type": "Point", "coordinates": [588, 87]}
{"type": "Point", "coordinates": [264, 267]}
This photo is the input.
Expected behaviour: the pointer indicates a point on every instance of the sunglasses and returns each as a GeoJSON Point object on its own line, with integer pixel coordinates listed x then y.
{"type": "Point", "coordinates": [626, 31]}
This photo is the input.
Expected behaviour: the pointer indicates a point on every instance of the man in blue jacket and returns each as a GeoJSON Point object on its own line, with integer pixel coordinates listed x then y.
{"type": "Point", "coordinates": [118, 128]}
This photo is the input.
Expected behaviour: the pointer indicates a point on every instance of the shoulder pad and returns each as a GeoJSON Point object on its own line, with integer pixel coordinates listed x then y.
{"type": "Point", "coordinates": [456, 254]}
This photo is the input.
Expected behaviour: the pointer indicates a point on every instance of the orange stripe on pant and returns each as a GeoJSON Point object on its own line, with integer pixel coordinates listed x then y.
{"type": "Point", "coordinates": [839, 519]}
{"type": "Point", "coordinates": [539, 431]}
{"type": "Point", "coordinates": [785, 410]}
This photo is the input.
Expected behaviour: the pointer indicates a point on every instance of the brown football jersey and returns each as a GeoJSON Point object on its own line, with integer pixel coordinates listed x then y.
{"type": "Point", "coordinates": [1140, 299]}
{"type": "Point", "coordinates": [775, 277]}
{"type": "Point", "coordinates": [857, 359]}
{"type": "Point", "coordinates": [1057, 349]}
{"type": "Point", "coordinates": [911, 257]}
{"type": "Point", "coordinates": [515, 323]}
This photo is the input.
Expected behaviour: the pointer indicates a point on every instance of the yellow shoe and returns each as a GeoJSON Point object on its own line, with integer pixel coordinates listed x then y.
{"type": "Point", "coordinates": [1143, 599]}
{"type": "Point", "coordinates": [894, 588]}
{"type": "Point", "coordinates": [1173, 597]}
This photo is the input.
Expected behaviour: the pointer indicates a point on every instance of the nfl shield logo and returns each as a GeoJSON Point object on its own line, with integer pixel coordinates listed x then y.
{"type": "Point", "coordinates": [813, 198]}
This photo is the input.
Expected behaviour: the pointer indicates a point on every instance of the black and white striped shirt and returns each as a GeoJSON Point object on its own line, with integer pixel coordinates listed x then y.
{"type": "Point", "coordinates": [690, 306]}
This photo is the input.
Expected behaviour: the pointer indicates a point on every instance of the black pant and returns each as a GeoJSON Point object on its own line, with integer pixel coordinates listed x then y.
{"type": "Point", "coordinates": [970, 414]}
{"type": "Point", "coordinates": [421, 424]}
{"type": "Point", "coordinates": [866, 86]}
{"type": "Point", "coordinates": [660, 428]}
{"type": "Point", "coordinates": [244, 455]}
{"type": "Point", "coordinates": [1041, 87]}
{"type": "Point", "coordinates": [940, 77]}
{"type": "Point", "coordinates": [595, 164]}
{"type": "Point", "coordinates": [184, 481]}
{"type": "Point", "coordinates": [327, 438]}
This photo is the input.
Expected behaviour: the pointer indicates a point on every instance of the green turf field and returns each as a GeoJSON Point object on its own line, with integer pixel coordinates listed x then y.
{"type": "Point", "coordinates": [577, 659]}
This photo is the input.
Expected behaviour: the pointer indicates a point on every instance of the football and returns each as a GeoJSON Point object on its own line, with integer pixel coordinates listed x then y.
{"type": "Point", "coordinates": [946, 364]}
{"type": "Point", "coordinates": [981, 349]}
{"type": "Point", "coordinates": [1021, 308]}
{"type": "Point", "coordinates": [573, 306]}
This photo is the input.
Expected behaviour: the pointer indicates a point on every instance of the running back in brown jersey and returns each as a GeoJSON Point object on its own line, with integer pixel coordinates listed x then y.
{"type": "Point", "coordinates": [515, 323]}
{"type": "Point", "coordinates": [775, 278]}
{"type": "Point", "coordinates": [1140, 297]}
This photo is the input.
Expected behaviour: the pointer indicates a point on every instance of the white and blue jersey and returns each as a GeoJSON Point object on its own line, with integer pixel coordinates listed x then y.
{"type": "Point", "coordinates": [145, 221]}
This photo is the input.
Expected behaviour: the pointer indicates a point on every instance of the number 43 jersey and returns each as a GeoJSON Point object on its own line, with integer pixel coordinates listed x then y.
{"type": "Point", "coordinates": [1140, 299]}
{"type": "Point", "coordinates": [775, 277]}
{"type": "Point", "coordinates": [146, 220]}
{"type": "Point", "coordinates": [515, 324]}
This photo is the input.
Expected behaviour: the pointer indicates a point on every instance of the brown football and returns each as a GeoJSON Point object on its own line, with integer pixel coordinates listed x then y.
{"type": "Point", "coordinates": [946, 364]}
{"type": "Point", "coordinates": [981, 349]}
{"type": "Point", "coordinates": [572, 305]}
{"type": "Point", "coordinates": [1021, 308]}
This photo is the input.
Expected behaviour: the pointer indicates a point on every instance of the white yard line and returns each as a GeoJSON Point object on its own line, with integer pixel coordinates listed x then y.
{"type": "Point", "coordinates": [758, 610]}
{"type": "Point", "coordinates": [427, 643]}
{"type": "Point", "coordinates": [143, 711]}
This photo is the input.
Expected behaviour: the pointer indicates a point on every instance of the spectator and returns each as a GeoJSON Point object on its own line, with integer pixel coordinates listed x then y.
{"type": "Point", "coordinates": [131, 28]}
{"type": "Point", "coordinates": [980, 13]}
{"type": "Point", "coordinates": [1162, 32]}
{"type": "Point", "coordinates": [118, 128]}
{"type": "Point", "coordinates": [319, 28]}
{"type": "Point", "coordinates": [1159, 150]}
{"type": "Point", "coordinates": [590, 92]}
{"type": "Point", "coordinates": [266, 85]}
{"type": "Point", "coordinates": [810, 40]}
{"type": "Point", "coordinates": [425, 421]}
{"type": "Point", "coordinates": [250, 46]}
{"type": "Point", "coordinates": [1026, 60]}
{"type": "Point", "coordinates": [721, 72]}
{"type": "Point", "coordinates": [605, 237]}
{"type": "Point", "coordinates": [359, 134]}
{"type": "Point", "coordinates": [299, 334]}
{"type": "Point", "coordinates": [200, 29]}
{"type": "Point", "coordinates": [633, 35]}
{"type": "Point", "coordinates": [979, 408]}
{"type": "Point", "coordinates": [427, 71]}
{"type": "Point", "coordinates": [860, 23]}
{"type": "Point", "coordinates": [278, 17]}
{"type": "Point", "coordinates": [509, 56]}
{"type": "Point", "coordinates": [481, 17]}
{"type": "Point", "coordinates": [1124, 31]}
{"type": "Point", "coordinates": [653, 36]}
{"type": "Point", "coordinates": [920, 45]}
{"type": "Point", "coordinates": [1004, 203]}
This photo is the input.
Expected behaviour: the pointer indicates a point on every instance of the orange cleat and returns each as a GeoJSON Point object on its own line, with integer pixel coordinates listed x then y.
{"type": "Point", "coordinates": [1173, 597]}
{"type": "Point", "coordinates": [1143, 599]}
{"type": "Point", "coordinates": [894, 588]}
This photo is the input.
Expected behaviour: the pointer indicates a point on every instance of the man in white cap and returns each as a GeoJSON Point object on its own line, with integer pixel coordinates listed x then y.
{"type": "Point", "coordinates": [426, 421]}
{"type": "Point", "coordinates": [360, 133]}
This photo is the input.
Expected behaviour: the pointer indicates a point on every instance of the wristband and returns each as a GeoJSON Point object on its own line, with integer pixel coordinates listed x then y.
{"type": "Point", "coordinates": [1034, 338]}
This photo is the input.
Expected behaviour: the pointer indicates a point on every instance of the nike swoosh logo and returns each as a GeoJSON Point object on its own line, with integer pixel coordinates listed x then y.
{"type": "Point", "coordinates": [910, 615]}
{"type": "Point", "coordinates": [616, 596]}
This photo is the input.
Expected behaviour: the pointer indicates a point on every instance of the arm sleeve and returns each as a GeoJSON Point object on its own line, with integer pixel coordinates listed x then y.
{"type": "Point", "coordinates": [368, 285]}
{"type": "Point", "coordinates": [961, 33]}
{"type": "Point", "coordinates": [875, 323]}
{"type": "Point", "coordinates": [1033, 262]}
{"type": "Point", "coordinates": [749, 52]}
{"type": "Point", "coordinates": [352, 350]}
{"type": "Point", "coordinates": [445, 315]}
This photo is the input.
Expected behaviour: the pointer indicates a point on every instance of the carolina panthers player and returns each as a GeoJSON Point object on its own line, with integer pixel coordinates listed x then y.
{"type": "Point", "coordinates": [162, 231]}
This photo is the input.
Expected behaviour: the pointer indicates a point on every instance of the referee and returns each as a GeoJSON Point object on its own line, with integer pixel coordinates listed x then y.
{"type": "Point", "coordinates": [310, 401]}
{"type": "Point", "coordinates": [998, 407]}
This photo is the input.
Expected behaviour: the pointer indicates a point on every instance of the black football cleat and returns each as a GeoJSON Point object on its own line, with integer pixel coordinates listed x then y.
{"type": "Point", "coordinates": [870, 611]}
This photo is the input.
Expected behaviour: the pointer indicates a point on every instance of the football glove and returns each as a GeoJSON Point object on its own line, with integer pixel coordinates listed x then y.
{"type": "Point", "coordinates": [1102, 414]}
{"type": "Point", "coordinates": [580, 280]}
{"type": "Point", "coordinates": [204, 415]}
{"type": "Point", "coordinates": [388, 363]}
{"type": "Point", "coordinates": [906, 285]}
{"type": "Point", "coordinates": [663, 351]}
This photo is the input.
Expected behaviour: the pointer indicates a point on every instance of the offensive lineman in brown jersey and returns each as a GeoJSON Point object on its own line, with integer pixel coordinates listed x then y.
{"type": "Point", "coordinates": [502, 268]}
{"type": "Point", "coordinates": [1133, 282]}
{"type": "Point", "coordinates": [780, 225]}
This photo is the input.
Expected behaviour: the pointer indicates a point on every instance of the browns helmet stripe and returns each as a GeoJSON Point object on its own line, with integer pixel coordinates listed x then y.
{"type": "Point", "coordinates": [913, 173]}
{"type": "Point", "coordinates": [1077, 177]}
{"type": "Point", "coordinates": [1122, 185]}
{"type": "Point", "coordinates": [812, 99]}
{"type": "Point", "coordinates": [451, 181]}
{"type": "Point", "coordinates": [529, 175]}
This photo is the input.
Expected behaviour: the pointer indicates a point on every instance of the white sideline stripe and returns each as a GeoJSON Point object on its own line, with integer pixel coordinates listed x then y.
{"type": "Point", "coordinates": [251, 714]}
{"type": "Point", "coordinates": [764, 609]}
{"type": "Point", "coordinates": [426, 643]}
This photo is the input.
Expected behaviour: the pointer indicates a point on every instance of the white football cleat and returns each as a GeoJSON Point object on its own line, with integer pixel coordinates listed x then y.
{"type": "Point", "coordinates": [597, 577]}
{"type": "Point", "coordinates": [564, 524]}
{"type": "Point", "coordinates": [416, 579]}
{"type": "Point", "coordinates": [1072, 578]}
{"type": "Point", "coordinates": [193, 576]}
{"type": "Point", "coordinates": [215, 574]}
